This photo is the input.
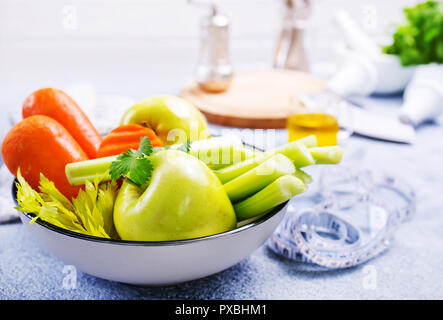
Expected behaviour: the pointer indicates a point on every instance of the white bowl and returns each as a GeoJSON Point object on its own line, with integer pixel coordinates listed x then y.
{"type": "Point", "coordinates": [154, 262]}
{"type": "Point", "coordinates": [384, 73]}
{"type": "Point", "coordinates": [392, 76]}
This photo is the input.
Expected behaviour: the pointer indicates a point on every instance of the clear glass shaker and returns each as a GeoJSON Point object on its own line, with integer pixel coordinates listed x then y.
{"type": "Point", "coordinates": [290, 52]}
{"type": "Point", "coordinates": [214, 70]}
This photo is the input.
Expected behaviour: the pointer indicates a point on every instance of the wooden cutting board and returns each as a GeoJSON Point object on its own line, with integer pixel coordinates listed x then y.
{"type": "Point", "coordinates": [255, 99]}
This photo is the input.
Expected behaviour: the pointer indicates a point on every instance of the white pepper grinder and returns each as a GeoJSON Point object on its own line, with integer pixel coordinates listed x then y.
{"type": "Point", "coordinates": [214, 70]}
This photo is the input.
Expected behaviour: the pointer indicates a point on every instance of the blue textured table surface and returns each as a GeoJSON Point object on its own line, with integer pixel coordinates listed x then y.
{"type": "Point", "coordinates": [410, 269]}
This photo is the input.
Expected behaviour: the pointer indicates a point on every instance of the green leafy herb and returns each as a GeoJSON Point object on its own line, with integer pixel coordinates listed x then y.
{"type": "Point", "coordinates": [145, 148]}
{"type": "Point", "coordinates": [134, 166]}
{"type": "Point", "coordinates": [185, 147]}
{"type": "Point", "coordinates": [420, 40]}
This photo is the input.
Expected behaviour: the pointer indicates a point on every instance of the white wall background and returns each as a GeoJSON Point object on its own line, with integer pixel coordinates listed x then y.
{"type": "Point", "coordinates": [139, 47]}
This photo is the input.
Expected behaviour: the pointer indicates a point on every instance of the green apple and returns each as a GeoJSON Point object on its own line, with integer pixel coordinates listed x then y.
{"type": "Point", "coordinates": [184, 200]}
{"type": "Point", "coordinates": [173, 119]}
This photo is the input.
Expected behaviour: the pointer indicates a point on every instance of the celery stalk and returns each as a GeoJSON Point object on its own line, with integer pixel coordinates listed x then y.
{"type": "Point", "coordinates": [309, 141]}
{"type": "Point", "coordinates": [295, 151]}
{"type": "Point", "coordinates": [241, 154]}
{"type": "Point", "coordinates": [213, 151]}
{"type": "Point", "coordinates": [279, 191]}
{"type": "Point", "coordinates": [327, 155]}
{"type": "Point", "coordinates": [256, 179]}
{"type": "Point", "coordinates": [303, 176]}
{"type": "Point", "coordinates": [78, 172]}
{"type": "Point", "coordinates": [233, 171]}
{"type": "Point", "coordinates": [223, 157]}
{"type": "Point", "coordinates": [218, 150]}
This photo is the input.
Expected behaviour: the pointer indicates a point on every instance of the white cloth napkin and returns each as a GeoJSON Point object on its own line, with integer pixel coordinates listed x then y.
{"type": "Point", "coordinates": [7, 211]}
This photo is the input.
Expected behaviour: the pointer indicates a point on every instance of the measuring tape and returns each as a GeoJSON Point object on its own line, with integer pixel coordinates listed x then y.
{"type": "Point", "coordinates": [353, 221]}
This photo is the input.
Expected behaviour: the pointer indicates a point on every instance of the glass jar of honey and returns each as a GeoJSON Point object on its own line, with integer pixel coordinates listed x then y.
{"type": "Point", "coordinates": [324, 126]}
{"type": "Point", "coordinates": [323, 114]}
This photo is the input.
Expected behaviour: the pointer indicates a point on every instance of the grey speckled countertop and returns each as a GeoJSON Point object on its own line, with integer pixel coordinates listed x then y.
{"type": "Point", "coordinates": [410, 269]}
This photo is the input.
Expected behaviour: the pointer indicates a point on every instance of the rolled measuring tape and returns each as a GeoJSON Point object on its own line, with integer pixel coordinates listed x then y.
{"type": "Point", "coordinates": [333, 233]}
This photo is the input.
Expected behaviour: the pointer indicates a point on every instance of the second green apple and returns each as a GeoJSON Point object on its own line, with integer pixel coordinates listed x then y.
{"type": "Point", "coordinates": [173, 119]}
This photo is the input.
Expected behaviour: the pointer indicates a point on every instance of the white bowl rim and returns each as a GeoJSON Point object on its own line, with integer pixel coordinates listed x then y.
{"type": "Point", "coordinates": [86, 237]}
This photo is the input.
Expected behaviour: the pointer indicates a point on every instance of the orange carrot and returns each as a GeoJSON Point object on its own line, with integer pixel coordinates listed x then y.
{"type": "Point", "coordinates": [126, 137]}
{"type": "Point", "coordinates": [56, 104]}
{"type": "Point", "coordinates": [39, 144]}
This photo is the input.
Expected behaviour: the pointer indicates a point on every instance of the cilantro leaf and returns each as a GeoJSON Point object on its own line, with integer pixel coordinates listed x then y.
{"type": "Point", "coordinates": [185, 147]}
{"type": "Point", "coordinates": [145, 147]}
{"type": "Point", "coordinates": [122, 165]}
{"type": "Point", "coordinates": [134, 166]}
{"type": "Point", "coordinates": [141, 170]}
